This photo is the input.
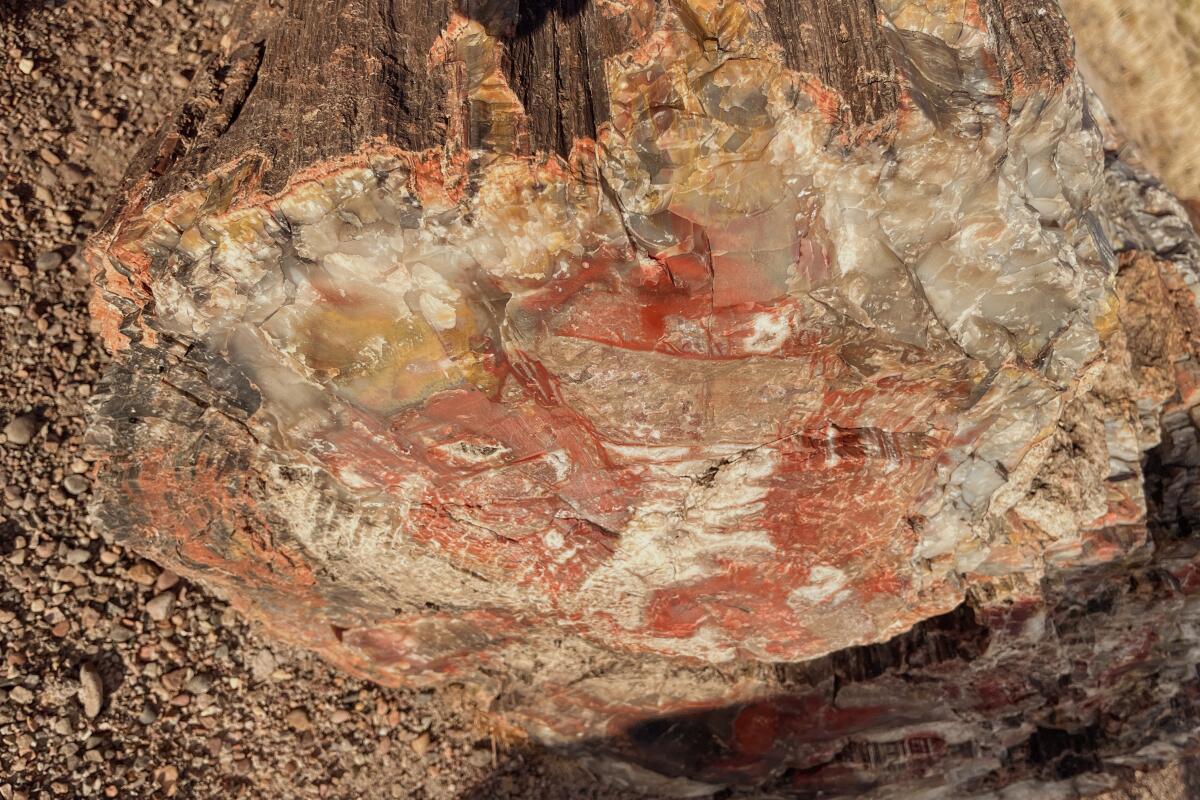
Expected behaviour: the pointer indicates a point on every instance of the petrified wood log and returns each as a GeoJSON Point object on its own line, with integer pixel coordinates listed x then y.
{"type": "Point", "coordinates": [657, 367]}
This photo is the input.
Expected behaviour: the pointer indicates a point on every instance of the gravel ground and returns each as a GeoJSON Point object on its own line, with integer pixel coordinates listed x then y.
{"type": "Point", "coordinates": [118, 679]}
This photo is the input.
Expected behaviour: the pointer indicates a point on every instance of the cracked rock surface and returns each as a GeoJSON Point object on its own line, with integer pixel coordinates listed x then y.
{"type": "Point", "coordinates": [658, 413]}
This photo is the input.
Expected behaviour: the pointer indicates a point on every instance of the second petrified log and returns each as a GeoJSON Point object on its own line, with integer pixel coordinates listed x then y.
{"type": "Point", "coordinates": [620, 360]}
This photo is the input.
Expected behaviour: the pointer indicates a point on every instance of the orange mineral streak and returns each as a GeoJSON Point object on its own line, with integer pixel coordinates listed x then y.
{"type": "Point", "coordinates": [131, 281]}
{"type": "Point", "coordinates": [208, 530]}
{"type": "Point", "coordinates": [106, 320]}
{"type": "Point", "coordinates": [214, 529]}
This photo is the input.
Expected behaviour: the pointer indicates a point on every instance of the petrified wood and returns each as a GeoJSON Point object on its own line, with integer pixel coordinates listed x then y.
{"type": "Point", "coordinates": [657, 367]}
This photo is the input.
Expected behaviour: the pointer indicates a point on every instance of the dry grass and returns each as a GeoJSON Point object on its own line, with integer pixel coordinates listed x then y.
{"type": "Point", "coordinates": [1143, 58]}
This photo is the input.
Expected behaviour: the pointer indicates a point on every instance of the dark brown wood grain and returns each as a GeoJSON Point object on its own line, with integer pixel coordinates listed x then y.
{"type": "Point", "coordinates": [555, 65]}
{"type": "Point", "coordinates": [843, 45]}
{"type": "Point", "coordinates": [1033, 42]}
{"type": "Point", "coordinates": [305, 81]}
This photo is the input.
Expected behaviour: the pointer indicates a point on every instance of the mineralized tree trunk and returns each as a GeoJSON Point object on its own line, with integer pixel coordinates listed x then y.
{"type": "Point", "coordinates": [797, 393]}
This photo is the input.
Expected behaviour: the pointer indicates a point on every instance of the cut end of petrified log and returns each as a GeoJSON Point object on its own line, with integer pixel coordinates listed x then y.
{"type": "Point", "coordinates": [715, 386]}
{"type": "Point", "coordinates": [756, 374]}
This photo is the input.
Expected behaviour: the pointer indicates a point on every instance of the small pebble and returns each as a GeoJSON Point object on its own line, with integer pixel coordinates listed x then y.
{"type": "Point", "coordinates": [420, 745]}
{"type": "Point", "coordinates": [91, 690]}
{"type": "Point", "coordinates": [19, 694]}
{"type": "Point", "coordinates": [174, 680]}
{"type": "Point", "coordinates": [20, 431]}
{"type": "Point", "coordinates": [166, 580]}
{"type": "Point", "coordinates": [298, 720]}
{"type": "Point", "coordinates": [51, 259]}
{"type": "Point", "coordinates": [160, 606]}
{"type": "Point", "coordinates": [167, 778]}
{"type": "Point", "coordinates": [75, 484]}
{"type": "Point", "coordinates": [120, 634]}
{"type": "Point", "coordinates": [199, 684]}
{"type": "Point", "coordinates": [78, 555]}
{"type": "Point", "coordinates": [143, 573]}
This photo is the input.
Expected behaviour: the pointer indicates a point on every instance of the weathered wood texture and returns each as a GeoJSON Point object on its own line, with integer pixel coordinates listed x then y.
{"type": "Point", "coordinates": [307, 81]}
